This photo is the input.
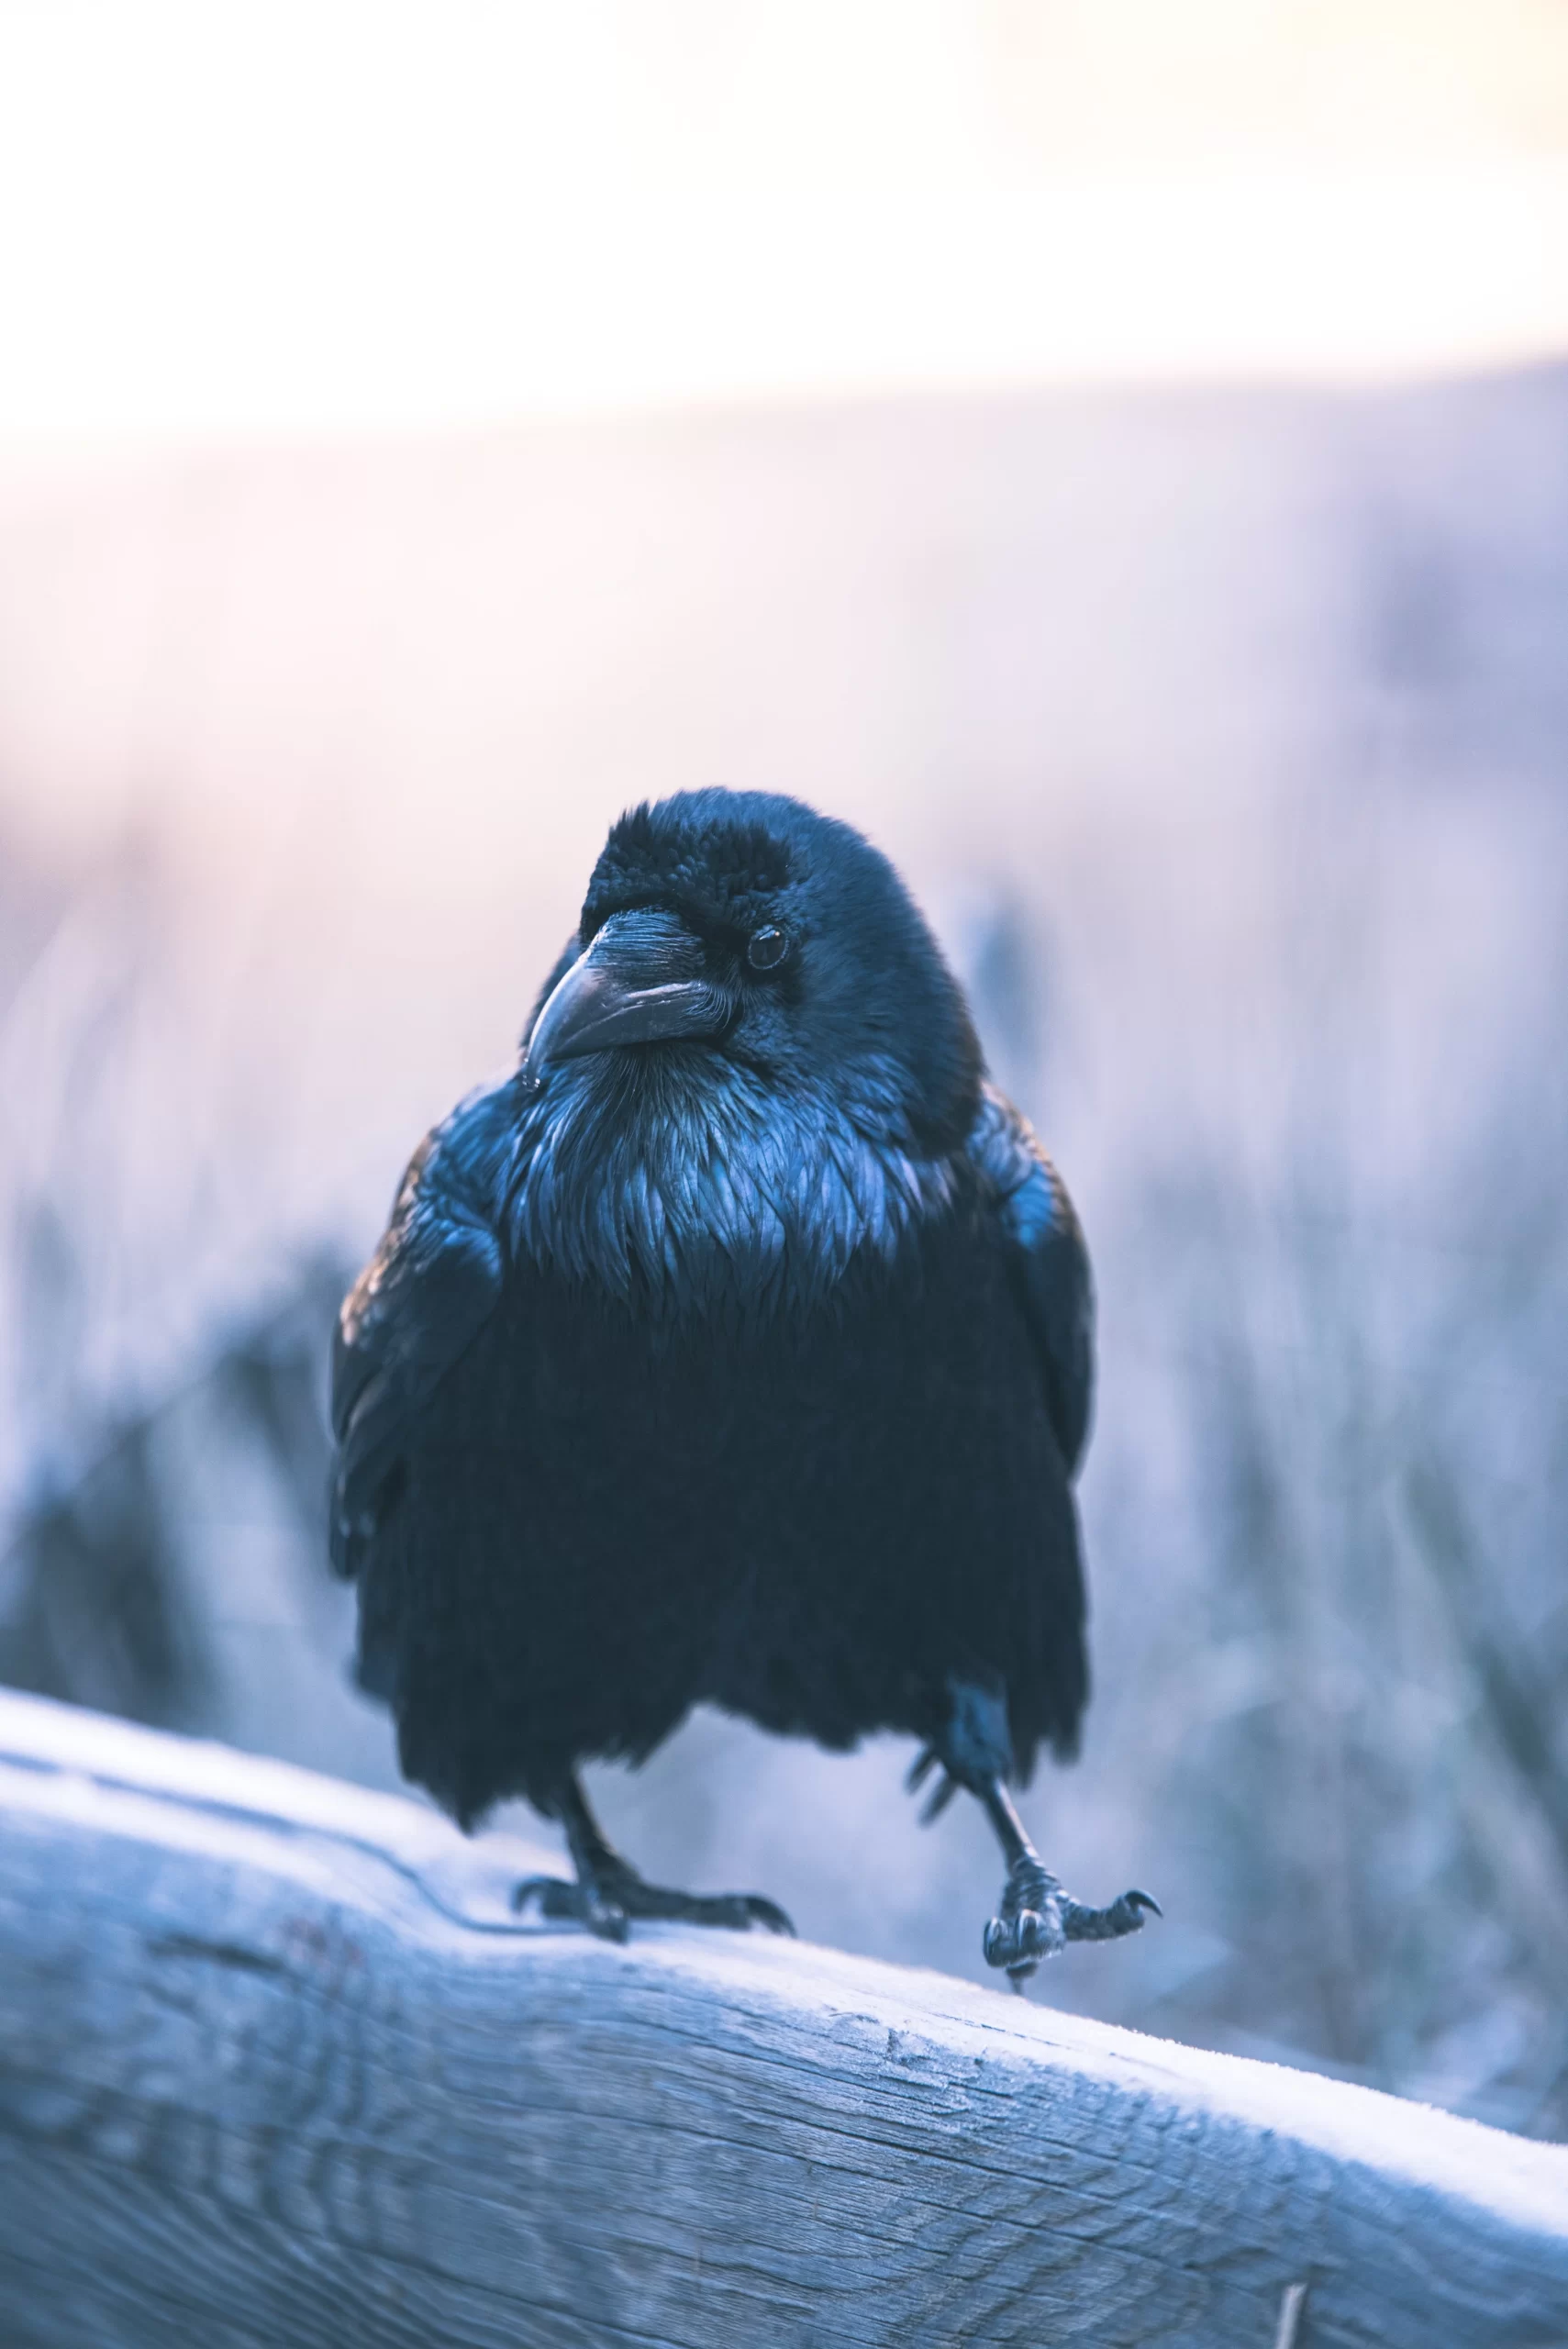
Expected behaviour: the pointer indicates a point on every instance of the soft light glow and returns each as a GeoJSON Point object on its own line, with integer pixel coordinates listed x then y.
{"type": "Point", "coordinates": [343, 216]}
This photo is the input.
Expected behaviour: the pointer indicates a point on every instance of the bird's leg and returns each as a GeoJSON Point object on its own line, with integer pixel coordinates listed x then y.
{"type": "Point", "coordinates": [609, 1892]}
{"type": "Point", "coordinates": [591, 1900]}
{"type": "Point", "coordinates": [1037, 1917]}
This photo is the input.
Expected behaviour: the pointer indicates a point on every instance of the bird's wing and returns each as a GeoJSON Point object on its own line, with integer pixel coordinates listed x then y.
{"type": "Point", "coordinates": [416, 1307]}
{"type": "Point", "coordinates": [1050, 1262]}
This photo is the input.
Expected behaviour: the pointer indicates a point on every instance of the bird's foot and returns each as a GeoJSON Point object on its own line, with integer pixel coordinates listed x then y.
{"type": "Point", "coordinates": [607, 1901]}
{"type": "Point", "coordinates": [1038, 1917]}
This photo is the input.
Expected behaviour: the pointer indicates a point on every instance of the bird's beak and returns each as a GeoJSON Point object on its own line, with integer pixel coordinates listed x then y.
{"type": "Point", "coordinates": [640, 983]}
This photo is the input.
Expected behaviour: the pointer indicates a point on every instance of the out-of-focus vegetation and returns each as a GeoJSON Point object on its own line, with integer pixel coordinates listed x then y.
{"type": "Point", "coordinates": [1226, 742]}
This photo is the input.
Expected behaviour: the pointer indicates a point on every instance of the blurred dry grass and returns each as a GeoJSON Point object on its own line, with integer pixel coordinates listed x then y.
{"type": "Point", "coordinates": [1224, 736]}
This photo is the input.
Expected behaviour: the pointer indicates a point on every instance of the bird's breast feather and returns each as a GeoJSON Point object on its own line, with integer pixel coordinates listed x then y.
{"type": "Point", "coordinates": [723, 1189]}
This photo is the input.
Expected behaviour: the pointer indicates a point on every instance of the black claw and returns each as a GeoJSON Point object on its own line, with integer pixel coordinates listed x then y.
{"type": "Point", "coordinates": [920, 1769]}
{"type": "Point", "coordinates": [1144, 1900]}
{"type": "Point", "coordinates": [606, 1921]}
{"type": "Point", "coordinates": [737, 1911]}
{"type": "Point", "coordinates": [939, 1799]}
{"type": "Point", "coordinates": [767, 1913]}
{"type": "Point", "coordinates": [1019, 1941]}
{"type": "Point", "coordinates": [1124, 1916]}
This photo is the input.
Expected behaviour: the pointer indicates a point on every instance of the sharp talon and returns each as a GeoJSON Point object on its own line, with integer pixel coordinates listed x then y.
{"type": "Point", "coordinates": [1020, 1942]}
{"type": "Point", "coordinates": [1144, 1900]}
{"type": "Point", "coordinates": [938, 1801]}
{"type": "Point", "coordinates": [767, 1913]}
{"type": "Point", "coordinates": [606, 1921]}
{"type": "Point", "coordinates": [737, 1911]}
{"type": "Point", "coordinates": [1038, 1936]}
{"type": "Point", "coordinates": [919, 1770]}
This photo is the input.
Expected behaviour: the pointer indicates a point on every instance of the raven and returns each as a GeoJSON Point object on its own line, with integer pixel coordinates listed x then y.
{"type": "Point", "coordinates": [733, 1348]}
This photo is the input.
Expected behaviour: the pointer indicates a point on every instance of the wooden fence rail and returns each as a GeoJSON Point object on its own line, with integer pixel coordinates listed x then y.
{"type": "Point", "coordinates": [278, 2071]}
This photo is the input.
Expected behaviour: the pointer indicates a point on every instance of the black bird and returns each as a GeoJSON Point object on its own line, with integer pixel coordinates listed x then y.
{"type": "Point", "coordinates": [736, 1348]}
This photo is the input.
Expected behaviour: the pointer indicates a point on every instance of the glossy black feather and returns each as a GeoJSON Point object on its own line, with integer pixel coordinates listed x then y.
{"type": "Point", "coordinates": [436, 1277]}
{"type": "Point", "coordinates": [1051, 1265]}
{"type": "Point", "coordinates": [753, 1374]}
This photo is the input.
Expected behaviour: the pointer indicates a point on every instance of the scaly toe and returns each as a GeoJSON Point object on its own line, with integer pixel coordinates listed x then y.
{"type": "Point", "coordinates": [1124, 1916]}
{"type": "Point", "coordinates": [587, 1905]}
{"type": "Point", "coordinates": [734, 1912]}
{"type": "Point", "coordinates": [1020, 1942]}
{"type": "Point", "coordinates": [607, 1906]}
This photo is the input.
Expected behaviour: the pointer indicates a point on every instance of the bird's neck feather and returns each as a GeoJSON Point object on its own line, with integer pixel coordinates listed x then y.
{"type": "Point", "coordinates": [681, 1185]}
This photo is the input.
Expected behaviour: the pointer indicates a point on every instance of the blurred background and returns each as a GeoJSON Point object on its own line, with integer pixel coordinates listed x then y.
{"type": "Point", "coordinates": [1116, 454]}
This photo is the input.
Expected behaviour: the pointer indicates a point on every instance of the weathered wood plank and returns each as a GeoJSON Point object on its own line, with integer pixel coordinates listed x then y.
{"type": "Point", "coordinates": [277, 2068]}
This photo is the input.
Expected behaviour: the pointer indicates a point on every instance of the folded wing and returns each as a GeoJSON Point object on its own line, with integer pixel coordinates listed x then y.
{"type": "Point", "coordinates": [1051, 1265]}
{"type": "Point", "coordinates": [415, 1309]}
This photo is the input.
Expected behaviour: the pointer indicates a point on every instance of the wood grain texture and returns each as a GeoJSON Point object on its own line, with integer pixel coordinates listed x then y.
{"type": "Point", "coordinates": [276, 2071]}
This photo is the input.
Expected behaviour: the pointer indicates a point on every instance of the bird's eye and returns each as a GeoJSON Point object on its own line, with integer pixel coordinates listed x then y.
{"type": "Point", "coordinates": [767, 947]}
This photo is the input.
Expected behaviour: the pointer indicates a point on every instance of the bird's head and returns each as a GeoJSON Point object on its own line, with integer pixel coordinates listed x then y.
{"type": "Point", "coordinates": [741, 928]}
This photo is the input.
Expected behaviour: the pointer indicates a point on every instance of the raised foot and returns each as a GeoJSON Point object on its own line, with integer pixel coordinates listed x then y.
{"type": "Point", "coordinates": [608, 1901]}
{"type": "Point", "coordinates": [1039, 1918]}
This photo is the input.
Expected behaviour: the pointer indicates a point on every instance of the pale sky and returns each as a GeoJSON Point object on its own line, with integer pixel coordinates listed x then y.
{"type": "Point", "coordinates": [321, 215]}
